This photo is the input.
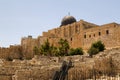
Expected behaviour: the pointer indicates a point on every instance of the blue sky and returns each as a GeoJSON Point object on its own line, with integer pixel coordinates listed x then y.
{"type": "Point", "coordinates": [20, 18]}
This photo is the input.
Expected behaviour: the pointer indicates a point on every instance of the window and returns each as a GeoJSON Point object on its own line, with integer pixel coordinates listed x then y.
{"type": "Point", "coordinates": [71, 39]}
{"type": "Point", "coordinates": [94, 35]}
{"type": "Point", "coordinates": [89, 36]}
{"type": "Point", "coordinates": [107, 32]}
{"type": "Point", "coordinates": [99, 33]}
{"type": "Point", "coordinates": [114, 25]}
{"type": "Point", "coordinates": [85, 36]}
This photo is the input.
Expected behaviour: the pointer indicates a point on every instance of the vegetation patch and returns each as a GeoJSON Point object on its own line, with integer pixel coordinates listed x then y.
{"type": "Point", "coordinates": [96, 47]}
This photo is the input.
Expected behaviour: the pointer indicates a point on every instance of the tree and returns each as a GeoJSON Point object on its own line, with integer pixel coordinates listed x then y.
{"type": "Point", "coordinates": [99, 45]}
{"type": "Point", "coordinates": [96, 47]}
{"type": "Point", "coordinates": [77, 51]}
{"type": "Point", "coordinates": [55, 51]}
{"type": "Point", "coordinates": [93, 51]}
{"type": "Point", "coordinates": [36, 50]}
{"type": "Point", "coordinates": [64, 47]}
{"type": "Point", "coordinates": [46, 48]}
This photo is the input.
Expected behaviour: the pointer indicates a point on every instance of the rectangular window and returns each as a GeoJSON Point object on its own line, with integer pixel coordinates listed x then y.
{"type": "Point", "coordinates": [89, 36]}
{"type": "Point", "coordinates": [71, 39]}
{"type": "Point", "coordinates": [85, 36]}
{"type": "Point", "coordinates": [94, 35]}
{"type": "Point", "coordinates": [107, 32]}
{"type": "Point", "coordinates": [99, 33]}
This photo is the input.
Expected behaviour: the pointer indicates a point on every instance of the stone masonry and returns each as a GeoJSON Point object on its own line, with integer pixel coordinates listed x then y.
{"type": "Point", "coordinates": [78, 34]}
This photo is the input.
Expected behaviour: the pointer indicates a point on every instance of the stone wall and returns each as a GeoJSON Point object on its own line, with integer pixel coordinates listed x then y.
{"type": "Point", "coordinates": [78, 34]}
{"type": "Point", "coordinates": [83, 34]}
{"type": "Point", "coordinates": [13, 52]}
{"type": "Point", "coordinates": [44, 67]}
{"type": "Point", "coordinates": [28, 44]}
{"type": "Point", "coordinates": [106, 33]}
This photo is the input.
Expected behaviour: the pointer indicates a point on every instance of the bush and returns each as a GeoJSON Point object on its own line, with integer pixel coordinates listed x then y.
{"type": "Point", "coordinates": [46, 48]}
{"type": "Point", "coordinates": [96, 48]}
{"type": "Point", "coordinates": [99, 45]}
{"type": "Point", "coordinates": [77, 51]}
{"type": "Point", "coordinates": [93, 51]}
{"type": "Point", "coordinates": [36, 50]}
{"type": "Point", "coordinates": [63, 47]}
{"type": "Point", "coordinates": [9, 58]}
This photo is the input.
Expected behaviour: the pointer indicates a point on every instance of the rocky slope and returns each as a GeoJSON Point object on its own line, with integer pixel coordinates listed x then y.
{"type": "Point", "coordinates": [43, 68]}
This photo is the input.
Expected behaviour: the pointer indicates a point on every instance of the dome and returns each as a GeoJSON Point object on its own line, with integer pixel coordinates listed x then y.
{"type": "Point", "coordinates": [68, 20]}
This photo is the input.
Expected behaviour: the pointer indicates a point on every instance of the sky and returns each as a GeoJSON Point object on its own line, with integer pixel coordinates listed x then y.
{"type": "Point", "coordinates": [20, 18]}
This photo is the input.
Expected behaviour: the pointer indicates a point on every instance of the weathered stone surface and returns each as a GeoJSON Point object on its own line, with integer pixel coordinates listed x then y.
{"type": "Point", "coordinates": [44, 67]}
{"type": "Point", "coordinates": [4, 77]}
{"type": "Point", "coordinates": [78, 34]}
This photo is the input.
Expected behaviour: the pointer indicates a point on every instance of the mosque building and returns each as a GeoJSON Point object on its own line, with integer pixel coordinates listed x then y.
{"type": "Point", "coordinates": [78, 34]}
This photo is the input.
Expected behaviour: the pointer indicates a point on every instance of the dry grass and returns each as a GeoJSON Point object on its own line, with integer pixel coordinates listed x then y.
{"type": "Point", "coordinates": [103, 66]}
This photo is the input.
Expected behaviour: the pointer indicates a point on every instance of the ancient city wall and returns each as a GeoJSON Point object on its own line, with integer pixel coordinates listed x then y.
{"type": "Point", "coordinates": [28, 43]}
{"type": "Point", "coordinates": [13, 52]}
{"type": "Point", "coordinates": [78, 34]}
{"type": "Point", "coordinates": [83, 34]}
{"type": "Point", "coordinates": [108, 34]}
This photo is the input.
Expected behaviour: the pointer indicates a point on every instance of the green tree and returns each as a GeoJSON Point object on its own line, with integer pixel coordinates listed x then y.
{"type": "Point", "coordinates": [45, 49]}
{"type": "Point", "coordinates": [99, 45]}
{"type": "Point", "coordinates": [36, 50]}
{"type": "Point", "coordinates": [64, 47]}
{"type": "Point", "coordinates": [55, 51]}
{"type": "Point", "coordinates": [93, 51]}
{"type": "Point", "coordinates": [96, 48]}
{"type": "Point", "coordinates": [77, 51]}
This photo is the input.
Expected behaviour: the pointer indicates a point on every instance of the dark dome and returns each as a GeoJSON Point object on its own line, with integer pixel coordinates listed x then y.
{"type": "Point", "coordinates": [68, 20]}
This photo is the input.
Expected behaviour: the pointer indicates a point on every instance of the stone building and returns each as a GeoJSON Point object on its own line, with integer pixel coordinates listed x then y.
{"type": "Point", "coordinates": [78, 34]}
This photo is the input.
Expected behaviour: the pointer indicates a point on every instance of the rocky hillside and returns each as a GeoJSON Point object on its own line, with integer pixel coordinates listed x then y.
{"type": "Point", "coordinates": [105, 63]}
{"type": "Point", "coordinates": [43, 67]}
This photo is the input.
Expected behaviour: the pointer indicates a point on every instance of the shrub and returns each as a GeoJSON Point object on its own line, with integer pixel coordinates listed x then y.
{"type": "Point", "coordinates": [63, 47]}
{"type": "Point", "coordinates": [99, 45]}
{"type": "Point", "coordinates": [77, 51]}
{"type": "Point", "coordinates": [9, 58]}
{"type": "Point", "coordinates": [96, 47]}
{"type": "Point", "coordinates": [93, 51]}
{"type": "Point", "coordinates": [46, 48]}
{"type": "Point", "coordinates": [36, 50]}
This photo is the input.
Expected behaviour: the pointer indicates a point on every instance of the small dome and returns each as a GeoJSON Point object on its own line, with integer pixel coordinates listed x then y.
{"type": "Point", "coordinates": [68, 20]}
